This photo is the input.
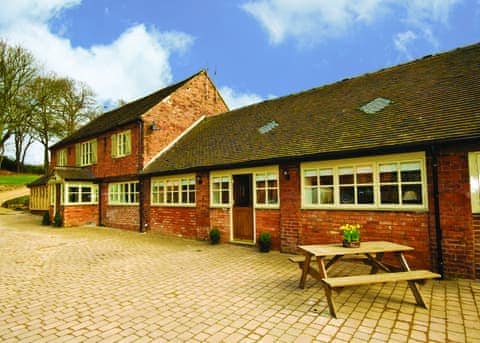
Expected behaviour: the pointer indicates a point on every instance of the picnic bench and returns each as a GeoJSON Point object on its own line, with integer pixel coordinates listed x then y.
{"type": "Point", "coordinates": [370, 253]}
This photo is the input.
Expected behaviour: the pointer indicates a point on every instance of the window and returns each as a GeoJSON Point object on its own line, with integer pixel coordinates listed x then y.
{"type": "Point", "coordinates": [86, 153]}
{"type": "Point", "coordinates": [121, 144]}
{"type": "Point", "coordinates": [81, 194]}
{"type": "Point", "coordinates": [220, 190]}
{"type": "Point", "coordinates": [62, 157]}
{"type": "Point", "coordinates": [124, 193]}
{"type": "Point", "coordinates": [394, 181]}
{"type": "Point", "coordinates": [169, 191]}
{"type": "Point", "coordinates": [474, 169]}
{"type": "Point", "coordinates": [266, 185]}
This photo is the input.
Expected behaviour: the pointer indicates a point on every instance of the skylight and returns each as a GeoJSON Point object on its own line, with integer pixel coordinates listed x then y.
{"type": "Point", "coordinates": [268, 127]}
{"type": "Point", "coordinates": [375, 105]}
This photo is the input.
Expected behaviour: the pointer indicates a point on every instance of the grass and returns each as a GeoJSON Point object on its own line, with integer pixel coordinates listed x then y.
{"type": "Point", "coordinates": [17, 179]}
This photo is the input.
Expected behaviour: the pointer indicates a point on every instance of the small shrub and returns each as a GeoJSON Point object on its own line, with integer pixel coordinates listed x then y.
{"type": "Point", "coordinates": [264, 242]}
{"type": "Point", "coordinates": [46, 219]}
{"type": "Point", "coordinates": [214, 236]}
{"type": "Point", "coordinates": [57, 220]}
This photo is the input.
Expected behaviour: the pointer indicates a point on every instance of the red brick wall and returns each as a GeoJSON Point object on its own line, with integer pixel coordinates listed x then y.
{"type": "Point", "coordinates": [220, 219]}
{"type": "Point", "coordinates": [175, 221]}
{"type": "Point", "coordinates": [268, 221]}
{"type": "Point", "coordinates": [79, 215]}
{"type": "Point", "coordinates": [176, 113]}
{"type": "Point", "coordinates": [476, 235]}
{"type": "Point", "coordinates": [122, 216]}
{"type": "Point", "coordinates": [456, 214]}
{"type": "Point", "coordinates": [289, 208]}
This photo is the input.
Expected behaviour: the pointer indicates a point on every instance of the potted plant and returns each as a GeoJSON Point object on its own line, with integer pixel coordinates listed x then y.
{"type": "Point", "coordinates": [351, 235]}
{"type": "Point", "coordinates": [46, 219]}
{"type": "Point", "coordinates": [214, 235]}
{"type": "Point", "coordinates": [57, 220]}
{"type": "Point", "coordinates": [264, 242]}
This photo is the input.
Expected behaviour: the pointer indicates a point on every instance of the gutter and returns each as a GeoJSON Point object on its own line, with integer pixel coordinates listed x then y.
{"type": "Point", "coordinates": [141, 194]}
{"type": "Point", "coordinates": [438, 228]}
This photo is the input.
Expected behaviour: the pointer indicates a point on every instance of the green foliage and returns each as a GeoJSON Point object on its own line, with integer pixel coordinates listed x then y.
{"type": "Point", "coordinates": [351, 232]}
{"type": "Point", "coordinates": [19, 203]}
{"type": "Point", "coordinates": [17, 179]}
{"type": "Point", "coordinates": [57, 220]}
{"type": "Point", "coordinates": [264, 242]}
{"type": "Point", "coordinates": [46, 219]}
{"type": "Point", "coordinates": [9, 164]}
{"type": "Point", "coordinates": [214, 235]}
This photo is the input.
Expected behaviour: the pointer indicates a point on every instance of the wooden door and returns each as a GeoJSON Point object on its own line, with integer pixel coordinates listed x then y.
{"type": "Point", "coordinates": [242, 208]}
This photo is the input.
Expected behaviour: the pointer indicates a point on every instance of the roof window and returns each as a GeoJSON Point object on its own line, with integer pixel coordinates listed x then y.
{"type": "Point", "coordinates": [375, 105]}
{"type": "Point", "coordinates": [268, 127]}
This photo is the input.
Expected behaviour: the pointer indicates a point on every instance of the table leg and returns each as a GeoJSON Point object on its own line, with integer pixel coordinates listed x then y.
{"type": "Point", "coordinates": [412, 284]}
{"type": "Point", "coordinates": [306, 266]}
{"type": "Point", "coordinates": [328, 291]}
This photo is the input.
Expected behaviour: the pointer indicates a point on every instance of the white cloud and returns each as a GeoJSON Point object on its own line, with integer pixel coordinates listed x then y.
{"type": "Point", "coordinates": [311, 21]}
{"type": "Point", "coordinates": [236, 99]}
{"type": "Point", "coordinates": [402, 41]}
{"type": "Point", "coordinates": [134, 64]}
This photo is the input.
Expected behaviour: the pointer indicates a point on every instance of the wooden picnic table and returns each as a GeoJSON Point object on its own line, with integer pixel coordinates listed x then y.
{"type": "Point", "coordinates": [373, 253]}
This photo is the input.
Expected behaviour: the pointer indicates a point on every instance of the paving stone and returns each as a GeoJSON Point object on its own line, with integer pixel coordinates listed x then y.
{"type": "Point", "coordinates": [98, 284]}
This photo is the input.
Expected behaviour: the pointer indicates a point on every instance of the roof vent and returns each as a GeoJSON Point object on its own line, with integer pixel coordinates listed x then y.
{"type": "Point", "coordinates": [375, 105]}
{"type": "Point", "coordinates": [268, 127]}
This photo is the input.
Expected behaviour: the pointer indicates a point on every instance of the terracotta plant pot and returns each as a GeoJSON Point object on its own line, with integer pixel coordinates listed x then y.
{"type": "Point", "coordinates": [352, 244]}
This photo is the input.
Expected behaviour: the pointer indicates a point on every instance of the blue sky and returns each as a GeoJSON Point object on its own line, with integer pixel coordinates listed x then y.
{"type": "Point", "coordinates": [253, 49]}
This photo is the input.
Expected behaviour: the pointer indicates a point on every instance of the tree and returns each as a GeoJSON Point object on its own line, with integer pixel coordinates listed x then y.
{"type": "Point", "coordinates": [46, 105]}
{"type": "Point", "coordinates": [78, 106]}
{"type": "Point", "coordinates": [17, 71]}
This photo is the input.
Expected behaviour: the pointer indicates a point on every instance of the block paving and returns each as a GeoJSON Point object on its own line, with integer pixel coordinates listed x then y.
{"type": "Point", "coordinates": [95, 284]}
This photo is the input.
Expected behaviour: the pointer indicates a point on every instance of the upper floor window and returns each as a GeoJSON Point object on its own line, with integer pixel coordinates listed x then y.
{"type": "Point", "coordinates": [121, 144]}
{"type": "Point", "coordinates": [81, 193]}
{"type": "Point", "coordinates": [86, 153]}
{"type": "Point", "coordinates": [173, 191]}
{"type": "Point", "coordinates": [394, 181]}
{"type": "Point", "coordinates": [62, 157]}
{"type": "Point", "coordinates": [123, 193]}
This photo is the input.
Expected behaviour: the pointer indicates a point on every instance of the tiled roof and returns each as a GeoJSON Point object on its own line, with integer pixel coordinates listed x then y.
{"type": "Point", "coordinates": [66, 174]}
{"type": "Point", "coordinates": [121, 116]}
{"type": "Point", "coordinates": [434, 99]}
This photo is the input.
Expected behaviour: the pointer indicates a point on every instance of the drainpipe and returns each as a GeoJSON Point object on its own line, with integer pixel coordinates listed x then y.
{"type": "Point", "coordinates": [436, 200]}
{"type": "Point", "coordinates": [140, 180]}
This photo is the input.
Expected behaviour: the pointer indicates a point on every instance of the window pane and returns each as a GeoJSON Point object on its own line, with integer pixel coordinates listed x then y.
{"type": "Point", "coordinates": [225, 197]}
{"type": "Point", "coordinates": [388, 173]}
{"type": "Point", "coordinates": [73, 196]}
{"type": "Point", "coordinates": [216, 197]}
{"type": "Point", "coordinates": [347, 195]}
{"type": "Point", "coordinates": [261, 196]}
{"type": "Point", "coordinates": [412, 194]}
{"type": "Point", "coordinates": [311, 181]}
{"type": "Point", "coordinates": [273, 196]}
{"type": "Point", "coordinates": [191, 198]}
{"type": "Point", "coordinates": [389, 194]}
{"type": "Point", "coordinates": [326, 195]}
{"type": "Point", "coordinates": [364, 174]}
{"type": "Point", "coordinates": [326, 177]}
{"type": "Point", "coordinates": [311, 196]}
{"type": "Point", "coordinates": [86, 194]}
{"type": "Point", "coordinates": [345, 176]}
{"type": "Point", "coordinates": [365, 195]}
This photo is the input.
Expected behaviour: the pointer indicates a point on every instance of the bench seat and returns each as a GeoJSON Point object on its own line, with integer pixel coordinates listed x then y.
{"type": "Point", "coordinates": [357, 280]}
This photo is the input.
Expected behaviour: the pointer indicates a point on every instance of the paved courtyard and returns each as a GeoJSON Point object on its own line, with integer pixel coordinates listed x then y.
{"type": "Point", "coordinates": [98, 284]}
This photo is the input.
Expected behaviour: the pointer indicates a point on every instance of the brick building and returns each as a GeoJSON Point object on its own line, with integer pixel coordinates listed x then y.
{"type": "Point", "coordinates": [396, 151]}
{"type": "Point", "coordinates": [94, 174]}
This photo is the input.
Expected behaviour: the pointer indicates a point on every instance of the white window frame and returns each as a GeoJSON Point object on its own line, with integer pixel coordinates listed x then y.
{"type": "Point", "coordinates": [121, 144]}
{"type": "Point", "coordinates": [87, 153]}
{"type": "Point", "coordinates": [474, 170]}
{"type": "Point", "coordinates": [62, 157]}
{"type": "Point", "coordinates": [375, 162]}
{"type": "Point", "coordinates": [162, 193]}
{"type": "Point", "coordinates": [267, 175]}
{"type": "Point", "coordinates": [124, 193]}
{"type": "Point", "coordinates": [81, 190]}
{"type": "Point", "coordinates": [221, 178]}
